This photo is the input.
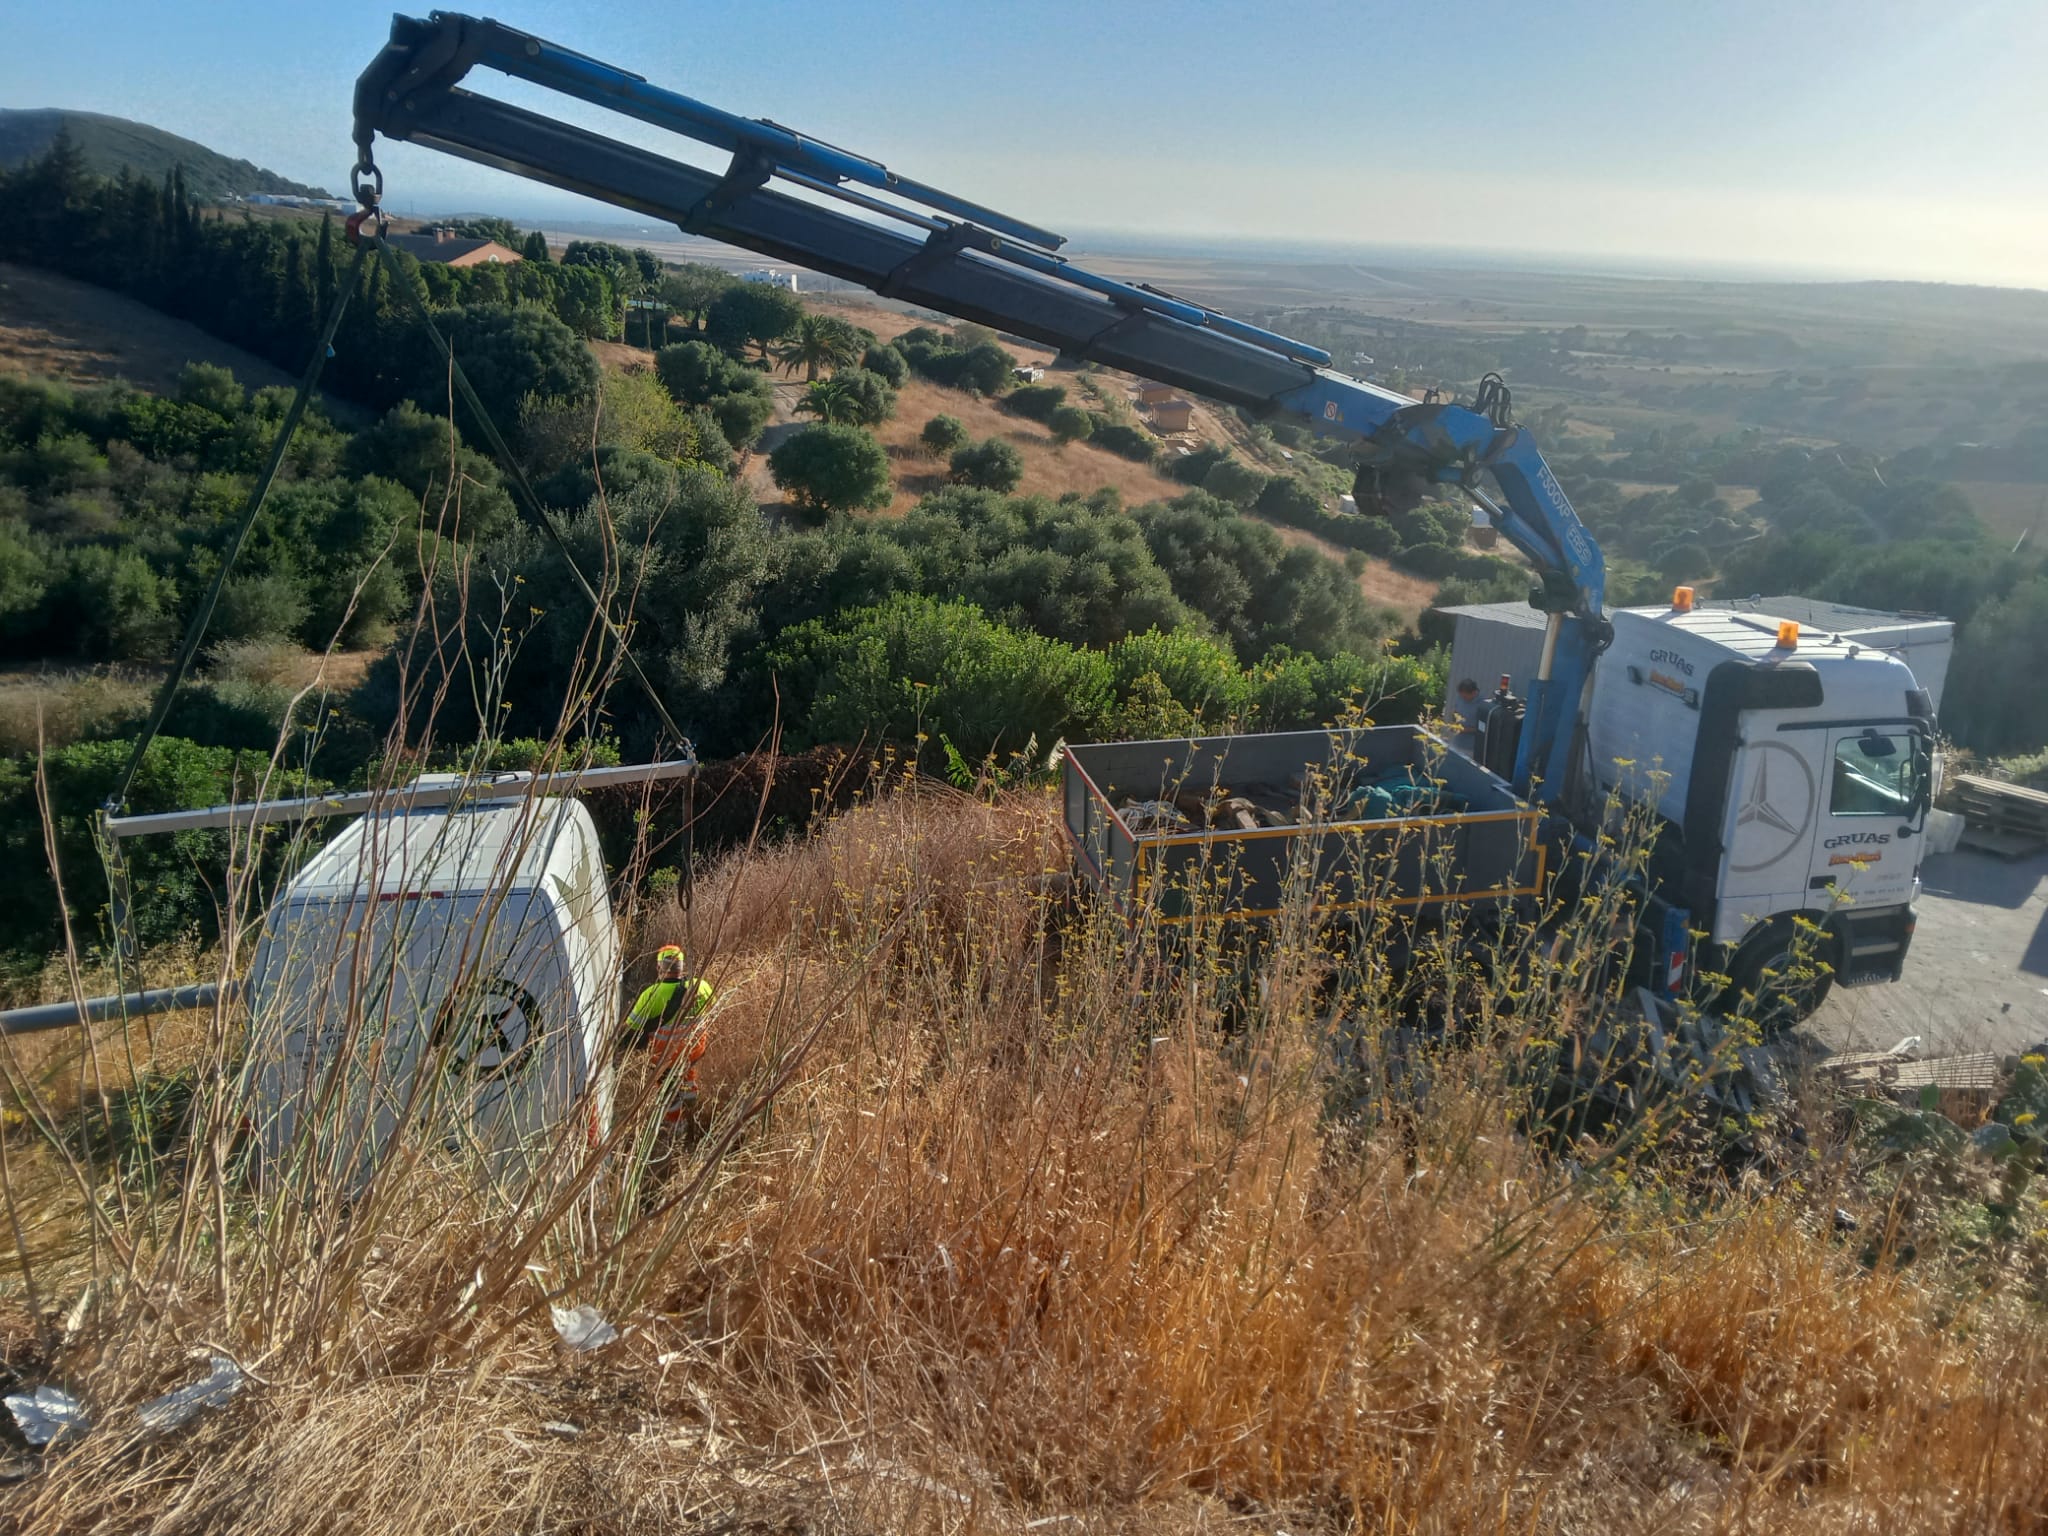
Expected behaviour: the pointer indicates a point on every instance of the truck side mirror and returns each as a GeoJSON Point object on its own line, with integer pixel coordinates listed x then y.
{"type": "Point", "coordinates": [1877, 747]}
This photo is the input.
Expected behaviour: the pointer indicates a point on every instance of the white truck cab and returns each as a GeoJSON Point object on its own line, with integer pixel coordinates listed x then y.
{"type": "Point", "coordinates": [454, 967]}
{"type": "Point", "coordinates": [1791, 774]}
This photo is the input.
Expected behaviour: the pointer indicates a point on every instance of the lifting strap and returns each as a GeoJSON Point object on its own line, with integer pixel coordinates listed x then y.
{"type": "Point", "coordinates": [195, 632]}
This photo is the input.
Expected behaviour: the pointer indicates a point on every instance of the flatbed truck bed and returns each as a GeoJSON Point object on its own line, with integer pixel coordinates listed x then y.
{"type": "Point", "coordinates": [1347, 819]}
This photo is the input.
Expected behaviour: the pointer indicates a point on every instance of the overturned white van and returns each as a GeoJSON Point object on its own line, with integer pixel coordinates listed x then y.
{"type": "Point", "coordinates": [452, 970]}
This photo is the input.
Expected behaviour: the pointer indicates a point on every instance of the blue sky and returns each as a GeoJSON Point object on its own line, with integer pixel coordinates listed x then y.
{"type": "Point", "coordinates": [1887, 137]}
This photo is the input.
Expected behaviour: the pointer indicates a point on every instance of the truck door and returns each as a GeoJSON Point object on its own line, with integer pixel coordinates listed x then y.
{"type": "Point", "coordinates": [1867, 847]}
{"type": "Point", "coordinates": [1776, 794]}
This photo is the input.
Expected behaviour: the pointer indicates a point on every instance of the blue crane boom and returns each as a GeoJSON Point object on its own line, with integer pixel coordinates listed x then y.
{"type": "Point", "coordinates": [914, 242]}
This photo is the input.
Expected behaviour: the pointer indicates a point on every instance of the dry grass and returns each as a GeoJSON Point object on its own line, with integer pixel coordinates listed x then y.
{"type": "Point", "coordinates": [51, 707]}
{"type": "Point", "coordinates": [1049, 470]}
{"type": "Point", "coordinates": [54, 707]}
{"type": "Point", "coordinates": [2010, 510]}
{"type": "Point", "coordinates": [1028, 1235]}
{"type": "Point", "coordinates": [1738, 497]}
{"type": "Point", "coordinates": [1000, 1217]}
{"type": "Point", "coordinates": [280, 664]}
{"type": "Point", "coordinates": [54, 327]}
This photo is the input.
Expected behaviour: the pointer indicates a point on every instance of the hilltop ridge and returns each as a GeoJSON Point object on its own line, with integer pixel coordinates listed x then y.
{"type": "Point", "coordinates": [111, 143]}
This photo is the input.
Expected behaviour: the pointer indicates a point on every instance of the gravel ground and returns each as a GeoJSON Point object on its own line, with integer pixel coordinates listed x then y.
{"type": "Point", "coordinates": [1977, 976]}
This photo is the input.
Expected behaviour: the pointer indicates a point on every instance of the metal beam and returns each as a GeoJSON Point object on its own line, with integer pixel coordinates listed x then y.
{"type": "Point", "coordinates": [1053, 310]}
{"type": "Point", "coordinates": [412, 797]}
{"type": "Point", "coordinates": [120, 1005]}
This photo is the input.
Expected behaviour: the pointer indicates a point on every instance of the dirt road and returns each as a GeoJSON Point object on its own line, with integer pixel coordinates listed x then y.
{"type": "Point", "coordinates": [1977, 977]}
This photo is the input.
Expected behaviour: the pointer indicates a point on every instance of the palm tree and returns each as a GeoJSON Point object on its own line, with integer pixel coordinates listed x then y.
{"type": "Point", "coordinates": [819, 341]}
{"type": "Point", "coordinates": [831, 400]}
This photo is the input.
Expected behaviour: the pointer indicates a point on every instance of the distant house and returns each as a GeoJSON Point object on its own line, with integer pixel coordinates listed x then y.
{"type": "Point", "coordinates": [1176, 415]}
{"type": "Point", "coordinates": [447, 249]}
{"type": "Point", "coordinates": [1152, 394]}
{"type": "Point", "coordinates": [771, 277]}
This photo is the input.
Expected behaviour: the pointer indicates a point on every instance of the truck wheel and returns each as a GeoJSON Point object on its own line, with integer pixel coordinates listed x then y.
{"type": "Point", "coordinates": [1787, 986]}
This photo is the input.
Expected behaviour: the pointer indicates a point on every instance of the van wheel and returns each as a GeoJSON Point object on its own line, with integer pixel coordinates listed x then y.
{"type": "Point", "coordinates": [1783, 985]}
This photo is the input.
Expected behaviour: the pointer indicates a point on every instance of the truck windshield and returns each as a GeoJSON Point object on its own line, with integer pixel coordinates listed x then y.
{"type": "Point", "coordinates": [1879, 774]}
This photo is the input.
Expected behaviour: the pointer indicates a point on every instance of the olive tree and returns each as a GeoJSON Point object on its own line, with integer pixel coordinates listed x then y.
{"type": "Point", "coordinates": [832, 468]}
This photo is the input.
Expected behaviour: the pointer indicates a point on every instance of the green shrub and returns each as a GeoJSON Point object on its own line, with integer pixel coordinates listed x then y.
{"type": "Point", "coordinates": [1126, 441]}
{"type": "Point", "coordinates": [1433, 522]}
{"type": "Point", "coordinates": [1258, 592]}
{"type": "Point", "coordinates": [752, 315]}
{"type": "Point", "coordinates": [530, 754]}
{"type": "Point", "coordinates": [1197, 672]}
{"type": "Point", "coordinates": [831, 468]}
{"type": "Point", "coordinates": [1035, 401]}
{"type": "Point", "coordinates": [916, 666]}
{"type": "Point", "coordinates": [983, 368]}
{"type": "Point", "coordinates": [989, 465]}
{"type": "Point", "coordinates": [1432, 560]}
{"type": "Point", "coordinates": [1285, 499]}
{"type": "Point", "coordinates": [175, 879]}
{"type": "Point", "coordinates": [1193, 468]}
{"type": "Point", "coordinates": [118, 605]}
{"type": "Point", "coordinates": [271, 606]}
{"type": "Point", "coordinates": [1233, 481]}
{"type": "Point", "coordinates": [852, 397]}
{"type": "Point", "coordinates": [739, 398]}
{"type": "Point", "coordinates": [1070, 424]}
{"type": "Point", "coordinates": [507, 353]}
{"type": "Point", "coordinates": [942, 434]}
{"type": "Point", "coordinates": [886, 362]}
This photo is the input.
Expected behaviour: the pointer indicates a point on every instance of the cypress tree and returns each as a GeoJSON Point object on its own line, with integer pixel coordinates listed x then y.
{"type": "Point", "coordinates": [324, 277]}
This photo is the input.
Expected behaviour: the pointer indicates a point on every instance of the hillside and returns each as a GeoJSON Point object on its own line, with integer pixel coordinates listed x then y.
{"type": "Point", "coordinates": [1049, 469]}
{"type": "Point", "coordinates": [54, 327]}
{"type": "Point", "coordinates": [110, 143]}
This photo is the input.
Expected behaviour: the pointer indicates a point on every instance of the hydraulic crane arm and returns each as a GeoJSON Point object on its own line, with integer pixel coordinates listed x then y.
{"type": "Point", "coordinates": [916, 243]}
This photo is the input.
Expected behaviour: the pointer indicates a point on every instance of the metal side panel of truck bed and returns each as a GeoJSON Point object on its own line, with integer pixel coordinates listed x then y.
{"type": "Point", "coordinates": [1470, 839]}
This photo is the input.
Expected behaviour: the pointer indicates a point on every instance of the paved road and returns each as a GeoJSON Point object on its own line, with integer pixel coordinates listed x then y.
{"type": "Point", "coordinates": [1977, 976]}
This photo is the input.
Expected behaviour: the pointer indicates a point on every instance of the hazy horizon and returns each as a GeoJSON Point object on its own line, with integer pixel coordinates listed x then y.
{"type": "Point", "coordinates": [1828, 141]}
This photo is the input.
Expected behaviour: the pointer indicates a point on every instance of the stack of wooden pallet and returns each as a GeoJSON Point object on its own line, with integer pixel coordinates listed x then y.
{"type": "Point", "coordinates": [1978, 1073]}
{"type": "Point", "coordinates": [2009, 820]}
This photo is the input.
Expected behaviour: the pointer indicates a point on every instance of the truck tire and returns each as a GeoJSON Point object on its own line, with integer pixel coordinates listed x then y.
{"type": "Point", "coordinates": [1767, 967]}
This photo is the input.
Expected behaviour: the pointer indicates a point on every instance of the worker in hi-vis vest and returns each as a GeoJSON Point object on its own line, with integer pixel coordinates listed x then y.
{"type": "Point", "coordinates": [668, 1023]}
